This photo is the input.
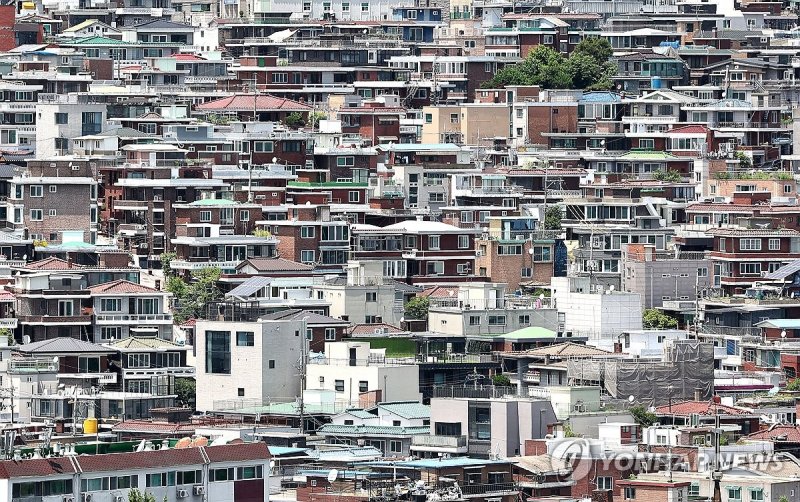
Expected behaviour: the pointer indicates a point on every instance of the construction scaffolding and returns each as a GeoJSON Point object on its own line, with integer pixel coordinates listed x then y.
{"type": "Point", "coordinates": [685, 372]}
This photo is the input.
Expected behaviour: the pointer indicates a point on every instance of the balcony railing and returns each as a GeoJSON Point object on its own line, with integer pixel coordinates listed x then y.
{"type": "Point", "coordinates": [489, 488]}
{"type": "Point", "coordinates": [33, 365]}
{"type": "Point", "coordinates": [440, 441]}
{"type": "Point", "coordinates": [134, 318]}
{"type": "Point", "coordinates": [48, 319]}
{"type": "Point", "coordinates": [197, 265]}
{"type": "Point", "coordinates": [489, 303]}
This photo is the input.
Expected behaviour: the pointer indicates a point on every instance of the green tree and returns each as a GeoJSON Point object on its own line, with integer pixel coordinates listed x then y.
{"type": "Point", "coordinates": [417, 307]}
{"type": "Point", "coordinates": [501, 381]}
{"type": "Point", "coordinates": [793, 385]}
{"type": "Point", "coordinates": [745, 162]}
{"type": "Point", "coordinates": [641, 416]}
{"type": "Point", "coordinates": [553, 217]}
{"type": "Point", "coordinates": [584, 71]}
{"type": "Point", "coordinates": [191, 298]}
{"type": "Point", "coordinates": [568, 432]}
{"type": "Point", "coordinates": [656, 319]}
{"type": "Point", "coordinates": [136, 496]}
{"type": "Point", "coordinates": [670, 175]}
{"type": "Point", "coordinates": [166, 259]}
{"type": "Point", "coordinates": [186, 390]}
{"type": "Point", "coordinates": [294, 120]}
{"type": "Point", "coordinates": [7, 334]}
{"type": "Point", "coordinates": [598, 48]}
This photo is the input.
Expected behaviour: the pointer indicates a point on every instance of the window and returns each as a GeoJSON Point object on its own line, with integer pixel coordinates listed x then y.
{"type": "Point", "coordinates": [307, 256]}
{"type": "Point", "coordinates": [749, 269]}
{"type": "Point", "coordinates": [36, 190]}
{"type": "Point", "coordinates": [110, 305]}
{"type": "Point", "coordinates": [307, 232]}
{"type": "Point", "coordinates": [433, 242]}
{"type": "Point", "coordinates": [88, 364]}
{"type": "Point", "coordinates": [62, 118]}
{"type": "Point", "coordinates": [138, 360]}
{"type": "Point", "coordinates": [497, 320]}
{"type": "Point", "coordinates": [435, 267]}
{"type": "Point", "coordinates": [750, 244]}
{"type": "Point", "coordinates": [271, 364]}
{"type": "Point", "coordinates": [263, 146]}
{"type": "Point", "coordinates": [205, 216]}
{"type": "Point", "coordinates": [240, 392]}
{"type": "Point", "coordinates": [463, 242]}
{"type": "Point", "coordinates": [542, 254]}
{"type": "Point", "coordinates": [345, 7]}
{"type": "Point", "coordinates": [53, 188]}
{"type": "Point", "coordinates": [605, 483]}
{"type": "Point", "coordinates": [224, 474]}
{"type": "Point", "coordinates": [245, 339]}
{"type": "Point", "coordinates": [756, 494]}
{"type": "Point", "coordinates": [395, 446]}
{"type": "Point", "coordinates": [345, 161]}
{"type": "Point", "coordinates": [630, 493]}
{"type": "Point", "coordinates": [474, 320]}
{"type": "Point", "coordinates": [363, 386]}
{"type": "Point", "coordinates": [244, 215]}
{"type": "Point", "coordinates": [702, 272]}
{"type": "Point", "coordinates": [190, 477]}
{"type": "Point", "coordinates": [36, 215]}
{"type": "Point", "coordinates": [454, 118]}
{"type": "Point", "coordinates": [526, 273]}
{"type": "Point", "coordinates": [91, 122]}
{"type": "Point", "coordinates": [218, 352]}
{"type": "Point", "coordinates": [364, 7]}
{"type": "Point", "coordinates": [447, 428]}
{"type": "Point", "coordinates": [722, 243]}
{"type": "Point", "coordinates": [774, 244]}
{"type": "Point", "coordinates": [146, 306]}
{"type": "Point", "coordinates": [647, 144]}
{"type": "Point", "coordinates": [694, 489]}
{"type": "Point", "coordinates": [65, 308]}
{"type": "Point", "coordinates": [353, 196]}
{"type": "Point", "coordinates": [330, 334]}
{"type": "Point", "coordinates": [253, 472]}
{"type": "Point", "coordinates": [339, 385]}
{"type": "Point", "coordinates": [734, 493]}
{"type": "Point", "coordinates": [371, 297]}
{"type": "Point", "coordinates": [428, 118]}
{"type": "Point", "coordinates": [111, 332]}
{"type": "Point", "coordinates": [280, 78]}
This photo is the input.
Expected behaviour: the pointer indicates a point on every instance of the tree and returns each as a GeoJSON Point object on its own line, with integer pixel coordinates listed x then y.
{"type": "Point", "coordinates": [294, 120]}
{"type": "Point", "coordinates": [553, 217]}
{"type": "Point", "coordinates": [417, 307]}
{"type": "Point", "coordinates": [598, 48]}
{"type": "Point", "coordinates": [501, 381]}
{"type": "Point", "coordinates": [192, 298]}
{"type": "Point", "coordinates": [7, 334]}
{"type": "Point", "coordinates": [794, 385]}
{"type": "Point", "coordinates": [656, 319]}
{"type": "Point", "coordinates": [641, 416]}
{"type": "Point", "coordinates": [136, 496]}
{"type": "Point", "coordinates": [745, 162]}
{"type": "Point", "coordinates": [186, 390]}
{"type": "Point", "coordinates": [166, 259]}
{"type": "Point", "coordinates": [671, 176]}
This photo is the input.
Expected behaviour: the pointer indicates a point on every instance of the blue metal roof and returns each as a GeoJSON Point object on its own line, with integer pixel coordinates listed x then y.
{"type": "Point", "coordinates": [600, 97]}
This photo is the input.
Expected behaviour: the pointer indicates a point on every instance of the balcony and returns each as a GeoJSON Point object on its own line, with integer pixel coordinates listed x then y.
{"type": "Point", "coordinates": [101, 378]}
{"type": "Point", "coordinates": [8, 323]}
{"type": "Point", "coordinates": [488, 489]}
{"type": "Point", "coordinates": [33, 365]}
{"type": "Point", "coordinates": [510, 302]}
{"type": "Point", "coordinates": [133, 318]}
{"type": "Point", "coordinates": [197, 265]}
{"type": "Point", "coordinates": [52, 319]}
{"type": "Point", "coordinates": [132, 229]}
{"type": "Point", "coordinates": [444, 444]}
{"type": "Point", "coordinates": [130, 205]}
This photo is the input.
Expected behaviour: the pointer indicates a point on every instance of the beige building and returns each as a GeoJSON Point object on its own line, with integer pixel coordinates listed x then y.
{"type": "Point", "coordinates": [468, 124]}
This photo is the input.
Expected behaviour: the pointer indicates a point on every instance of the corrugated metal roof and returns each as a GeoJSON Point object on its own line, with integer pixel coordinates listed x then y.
{"type": "Point", "coordinates": [251, 286]}
{"type": "Point", "coordinates": [373, 430]}
{"type": "Point", "coordinates": [62, 345]}
{"type": "Point", "coordinates": [407, 409]}
{"type": "Point", "coordinates": [784, 271]}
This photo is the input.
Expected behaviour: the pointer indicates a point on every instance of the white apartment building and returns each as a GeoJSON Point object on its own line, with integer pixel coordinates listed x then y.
{"type": "Point", "coordinates": [62, 117]}
{"type": "Point", "coordinates": [596, 315]}
{"type": "Point", "coordinates": [352, 368]}
{"type": "Point", "coordinates": [248, 363]}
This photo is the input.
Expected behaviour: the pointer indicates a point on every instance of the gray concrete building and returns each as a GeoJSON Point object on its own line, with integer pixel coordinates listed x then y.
{"type": "Point", "coordinates": [662, 276]}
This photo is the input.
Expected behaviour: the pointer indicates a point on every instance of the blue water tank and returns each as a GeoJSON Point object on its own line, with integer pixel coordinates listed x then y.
{"type": "Point", "coordinates": [655, 82]}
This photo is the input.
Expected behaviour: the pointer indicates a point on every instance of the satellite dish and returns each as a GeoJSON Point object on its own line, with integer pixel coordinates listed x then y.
{"type": "Point", "coordinates": [631, 399]}
{"type": "Point", "coordinates": [333, 475]}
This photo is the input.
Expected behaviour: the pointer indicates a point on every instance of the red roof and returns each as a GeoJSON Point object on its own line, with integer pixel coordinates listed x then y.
{"type": "Point", "coordinates": [441, 292]}
{"type": "Point", "coordinates": [51, 264]}
{"type": "Point", "coordinates": [238, 452]}
{"type": "Point", "coordinates": [151, 427]}
{"type": "Point", "coordinates": [6, 296]}
{"type": "Point", "coordinates": [122, 287]}
{"type": "Point", "coordinates": [369, 329]}
{"type": "Point", "coordinates": [689, 129]}
{"type": "Point", "coordinates": [141, 460]}
{"type": "Point", "coordinates": [188, 57]}
{"type": "Point", "coordinates": [36, 467]}
{"type": "Point", "coordinates": [687, 408]}
{"type": "Point", "coordinates": [244, 102]}
{"type": "Point", "coordinates": [789, 433]}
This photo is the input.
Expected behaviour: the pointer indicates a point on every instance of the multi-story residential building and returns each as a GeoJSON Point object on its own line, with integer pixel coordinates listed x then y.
{"type": "Point", "coordinates": [63, 117]}
{"type": "Point", "coordinates": [123, 309]}
{"type": "Point", "coordinates": [742, 256]}
{"type": "Point", "coordinates": [149, 365]}
{"type": "Point", "coordinates": [351, 369]}
{"type": "Point", "coordinates": [417, 251]}
{"type": "Point", "coordinates": [312, 235]}
{"type": "Point", "coordinates": [250, 362]}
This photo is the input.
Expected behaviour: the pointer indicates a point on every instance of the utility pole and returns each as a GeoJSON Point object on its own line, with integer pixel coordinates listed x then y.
{"type": "Point", "coordinates": [303, 343]}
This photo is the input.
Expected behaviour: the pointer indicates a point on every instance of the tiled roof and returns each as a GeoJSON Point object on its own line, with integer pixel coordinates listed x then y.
{"type": "Point", "coordinates": [6, 296]}
{"type": "Point", "coordinates": [121, 286]}
{"type": "Point", "coordinates": [369, 329]}
{"type": "Point", "coordinates": [51, 264]}
{"type": "Point", "coordinates": [689, 129]}
{"type": "Point", "coordinates": [407, 409]}
{"type": "Point", "coordinates": [137, 343]}
{"type": "Point", "coordinates": [238, 453]}
{"type": "Point", "coordinates": [62, 345]}
{"type": "Point", "coordinates": [686, 408]}
{"type": "Point", "coordinates": [440, 292]}
{"type": "Point", "coordinates": [299, 314]}
{"type": "Point", "coordinates": [141, 460]}
{"type": "Point", "coordinates": [36, 467]}
{"type": "Point", "coordinates": [188, 57]}
{"type": "Point", "coordinates": [275, 265]}
{"type": "Point", "coordinates": [151, 427]}
{"type": "Point", "coordinates": [244, 102]}
{"type": "Point", "coordinates": [754, 232]}
{"type": "Point", "coordinates": [359, 413]}
{"type": "Point", "coordinates": [373, 430]}
{"type": "Point", "coordinates": [789, 433]}
{"type": "Point", "coordinates": [567, 349]}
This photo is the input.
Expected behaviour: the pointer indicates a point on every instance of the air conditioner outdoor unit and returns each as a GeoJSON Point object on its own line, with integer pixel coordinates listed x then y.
{"type": "Point", "coordinates": [87, 497]}
{"type": "Point", "coordinates": [182, 494]}
{"type": "Point", "coordinates": [119, 498]}
{"type": "Point", "coordinates": [199, 490]}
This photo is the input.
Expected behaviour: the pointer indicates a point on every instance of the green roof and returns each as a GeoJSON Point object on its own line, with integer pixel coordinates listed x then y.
{"type": "Point", "coordinates": [359, 413]}
{"type": "Point", "coordinates": [529, 333]}
{"type": "Point", "coordinates": [213, 202]}
{"type": "Point", "coordinates": [648, 155]}
{"type": "Point", "coordinates": [407, 409]}
{"type": "Point", "coordinates": [98, 40]}
{"type": "Point", "coordinates": [333, 184]}
{"type": "Point", "coordinates": [373, 430]}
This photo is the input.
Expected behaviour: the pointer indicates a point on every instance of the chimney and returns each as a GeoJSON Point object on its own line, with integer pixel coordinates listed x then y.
{"type": "Point", "coordinates": [697, 393]}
